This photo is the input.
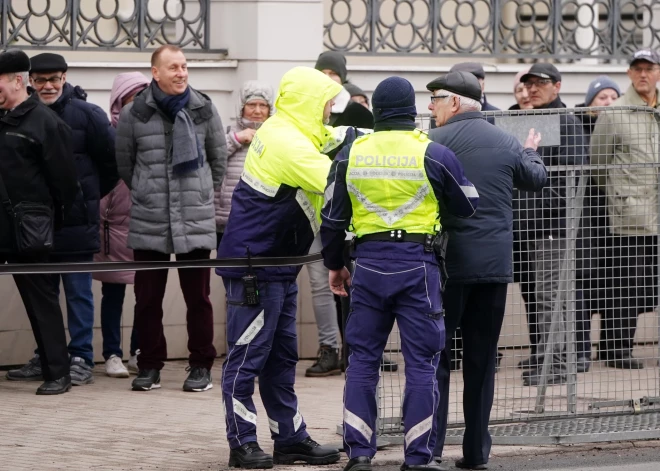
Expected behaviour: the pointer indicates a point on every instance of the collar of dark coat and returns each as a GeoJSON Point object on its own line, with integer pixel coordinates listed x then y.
{"type": "Point", "coordinates": [554, 104]}
{"type": "Point", "coordinates": [69, 93]}
{"type": "Point", "coordinates": [464, 116]}
{"type": "Point", "coordinates": [15, 116]}
{"type": "Point", "coordinates": [199, 106]}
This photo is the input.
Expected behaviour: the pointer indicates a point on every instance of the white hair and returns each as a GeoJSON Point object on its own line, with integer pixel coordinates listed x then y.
{"type": "Point", "coordinates": [25, 78]}
{"type": "Point", "coordinates": [466, 104]}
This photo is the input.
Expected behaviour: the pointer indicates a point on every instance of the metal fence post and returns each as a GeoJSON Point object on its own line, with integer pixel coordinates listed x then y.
{"type": "Point", "coordinates": [3, 31]}
{"type": "Point", "coordinates": [573, 218]}
{"type": "Point", "coordinates": [75, 10]}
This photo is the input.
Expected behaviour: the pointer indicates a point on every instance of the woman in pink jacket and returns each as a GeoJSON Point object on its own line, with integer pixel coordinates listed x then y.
{"type": "Point", "coordinates": [115, 216]}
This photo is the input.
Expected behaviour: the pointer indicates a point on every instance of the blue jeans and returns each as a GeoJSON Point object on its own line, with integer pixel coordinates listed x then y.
{"type": "Point", "coordinates": [79, 306]}
{"type": "Point", "coordinates": [112, 305]}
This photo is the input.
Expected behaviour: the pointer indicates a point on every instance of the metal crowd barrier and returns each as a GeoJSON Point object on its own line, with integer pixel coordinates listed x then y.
{"type": "Point", "coordinates": [596, 286]}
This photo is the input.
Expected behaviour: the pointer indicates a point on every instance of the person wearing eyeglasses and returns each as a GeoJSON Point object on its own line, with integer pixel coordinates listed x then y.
{"type": "Point", "coordinates": [78, 239]}
{"type": "Point", "coordinates": [479, 252]}
{"type": "Point", "coordinates": [543, 222]}
{"type": "Point", "coordinates": [36, 169]}
{"type": "Point", "coordinates": [630, 264]}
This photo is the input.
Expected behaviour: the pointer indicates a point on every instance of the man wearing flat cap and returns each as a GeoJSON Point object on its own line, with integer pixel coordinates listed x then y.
{"type": "Point", "coordinates": [37, 187]}
{"type": "Point", "coordinates": [543, 222]}
{"type": "Point", "coordinates": [478, 71]}
{"type": "Point", "coordinates": [479, 253]}
{"type": "Point", "coordinates": [78, 239]}
{"type": "Point", "coordinates": [628, 137]}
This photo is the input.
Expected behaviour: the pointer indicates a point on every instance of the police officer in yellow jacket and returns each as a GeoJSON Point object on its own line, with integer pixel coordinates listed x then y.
{"type": "Point", "coordinates": [274, 213]}
{"type": "Point", "coordinates": [391, 188]}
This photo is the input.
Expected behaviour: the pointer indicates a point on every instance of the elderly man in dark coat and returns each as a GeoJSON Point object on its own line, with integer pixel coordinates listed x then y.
{"type": "Point", "coordinates": [479, 254]}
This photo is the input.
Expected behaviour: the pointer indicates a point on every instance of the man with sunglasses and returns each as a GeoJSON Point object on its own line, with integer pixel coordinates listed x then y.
{"type": "Point", "coordinates": [78, 239]}
{"type": "Point", "coordinates": [543, 222]}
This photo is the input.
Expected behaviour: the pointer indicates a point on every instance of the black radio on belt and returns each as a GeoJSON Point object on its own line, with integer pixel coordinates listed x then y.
{"type": "Point", "coordinates": [250, 284]}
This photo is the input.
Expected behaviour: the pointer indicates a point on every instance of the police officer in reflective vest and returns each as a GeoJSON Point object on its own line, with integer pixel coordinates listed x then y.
{"type": "Point", "coordinates": [274, 213]}
{"type": "Point", "coordinates": [388, 187]}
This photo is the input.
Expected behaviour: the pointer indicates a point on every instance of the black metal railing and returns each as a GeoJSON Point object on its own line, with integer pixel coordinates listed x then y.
{"type": "Point", "coordinates": [127, 25]}
{"type": "Point", "coordinates": [561, 29]}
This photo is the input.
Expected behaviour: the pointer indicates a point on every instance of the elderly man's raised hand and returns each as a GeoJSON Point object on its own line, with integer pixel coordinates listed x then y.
{"type": "Point", "coordinates": [533, 139]}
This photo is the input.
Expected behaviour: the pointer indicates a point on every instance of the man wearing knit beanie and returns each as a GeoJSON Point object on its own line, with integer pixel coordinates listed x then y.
{"type": "Point", "coordinates": [387, 186]}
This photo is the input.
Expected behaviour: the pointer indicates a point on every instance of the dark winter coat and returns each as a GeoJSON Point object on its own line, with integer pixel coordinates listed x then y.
{"type": "Point", "coordinates": [543, 214]}
{"type": "Point", "coordinates": [93, 140]}
{"type": "Point", "coordinates": [480, 248]}
{"type": "Point", "coordinates": [36, 163]}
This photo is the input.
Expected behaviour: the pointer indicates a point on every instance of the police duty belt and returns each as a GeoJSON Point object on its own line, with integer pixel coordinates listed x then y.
{"type": "Point", "coordinates": [95, 267]}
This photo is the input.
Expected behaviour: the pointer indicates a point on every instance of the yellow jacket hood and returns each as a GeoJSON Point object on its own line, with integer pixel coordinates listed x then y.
{"type": "Point", "coordinates": [301, 99]}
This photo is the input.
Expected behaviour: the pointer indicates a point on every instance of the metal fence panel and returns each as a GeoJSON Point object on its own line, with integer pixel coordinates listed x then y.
{"type": "Point", "coordinates": [586, 280]}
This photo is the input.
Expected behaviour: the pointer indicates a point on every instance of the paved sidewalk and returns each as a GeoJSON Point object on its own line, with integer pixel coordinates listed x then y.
{"type": "Point", "coordinates": [105, 426]}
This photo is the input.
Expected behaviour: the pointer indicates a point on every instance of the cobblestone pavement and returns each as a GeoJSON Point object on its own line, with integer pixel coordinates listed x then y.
{"type": "Point", "coordinates": [105, 426]}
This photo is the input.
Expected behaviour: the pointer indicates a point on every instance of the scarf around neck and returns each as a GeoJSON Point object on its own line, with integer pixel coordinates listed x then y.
{"type": "Point", "coordinates": [187, 154]}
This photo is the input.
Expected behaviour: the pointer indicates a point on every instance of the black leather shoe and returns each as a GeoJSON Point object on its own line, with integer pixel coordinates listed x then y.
{"type": "Point", "coordinates": [249, 456]}
{"type": "Point", "coordinates": [533, 378]}
{"type": "Point", "coordinates": [58, 386]}
{"type": "Point", "coordinates": [433, 466]}
{"type": "Point", "coordinates": [308, 451]}
{"type": "Point", "coordinates": [389, 365]}
{"type": "Point", "coordinates": [359, 463]}
{"type": "Point", "coordinates": [583, 364]}
{"type": "Point", "coordinates": [625, 363]}
{"type": "Point", "coordinates": [531, 362]}
{"type": "Point", "coordinates": [462, 464]}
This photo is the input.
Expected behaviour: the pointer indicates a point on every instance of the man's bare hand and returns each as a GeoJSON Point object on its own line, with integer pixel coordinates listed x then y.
{"type": "Point", "coordinates": [533, 140]}
{"type": "Point", "coordinates": [339, 278]}
{"type": "Point", "coordinates": [245, 136]}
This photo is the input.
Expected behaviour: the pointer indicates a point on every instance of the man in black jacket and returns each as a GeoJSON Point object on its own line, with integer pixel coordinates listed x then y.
{"type": "Point", "coordinates": [543, 221]}
{"type": "Point", "coordinates": [479, 254]}
{"type": "Point", "coordinates": [36, 167]}
{"type": "Point", "coordinates": [77, 241]}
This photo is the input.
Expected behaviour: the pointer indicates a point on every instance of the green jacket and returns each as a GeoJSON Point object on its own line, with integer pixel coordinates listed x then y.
{"type": "Point", "coordinates": [624, 137]}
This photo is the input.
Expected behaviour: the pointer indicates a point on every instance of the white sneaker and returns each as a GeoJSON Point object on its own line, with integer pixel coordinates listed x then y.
{"type": "Point", "coordinates": [115, 368]}
{"type": "Point", "coordinates": [132, 365]}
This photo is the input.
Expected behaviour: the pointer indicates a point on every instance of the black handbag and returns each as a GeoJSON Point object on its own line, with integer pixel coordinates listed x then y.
{"type": "Point", "coordinates": [32, 223]}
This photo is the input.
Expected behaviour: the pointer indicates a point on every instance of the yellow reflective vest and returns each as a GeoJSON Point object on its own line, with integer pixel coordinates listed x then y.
{"type": "Point", "coordinates": [388, 185]}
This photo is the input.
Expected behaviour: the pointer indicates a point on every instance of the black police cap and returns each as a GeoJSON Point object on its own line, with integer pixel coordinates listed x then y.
{"type": "Point", "coordinates": [14, 61]}
{"type": "Point", "coordinates": [48, 62]}
{"type": "Point", "coordinates": [461, 83]}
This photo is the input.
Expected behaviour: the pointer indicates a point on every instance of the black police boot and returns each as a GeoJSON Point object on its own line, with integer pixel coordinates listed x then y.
{"type": "Point", "coordinates": [249, 456]}
{"type": "Point", "coordinates": [433, 466]}
{"type": "Point", "coordinates": [57, 386]}
{"type": "Point", "coordinates": [308, 451]}
{"type": "Point", "coordinates": [360, 463]}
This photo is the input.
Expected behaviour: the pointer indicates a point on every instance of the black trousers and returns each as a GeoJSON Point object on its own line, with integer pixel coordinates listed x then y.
{"type": "Point", "coordinates": [479, 309]}
{"type": "Point", "coordinates": [42, 304]}
{"type": "Point", "coordinates": [523, 274]}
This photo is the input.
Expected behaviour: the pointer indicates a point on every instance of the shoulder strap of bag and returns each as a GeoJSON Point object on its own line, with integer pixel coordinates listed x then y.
{"type": "Point", "coordinates": [6, 201]}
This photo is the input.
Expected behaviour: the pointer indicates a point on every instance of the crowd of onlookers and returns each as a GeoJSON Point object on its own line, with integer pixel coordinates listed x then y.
{"type": "Point", "coordinates": [156, 179]}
